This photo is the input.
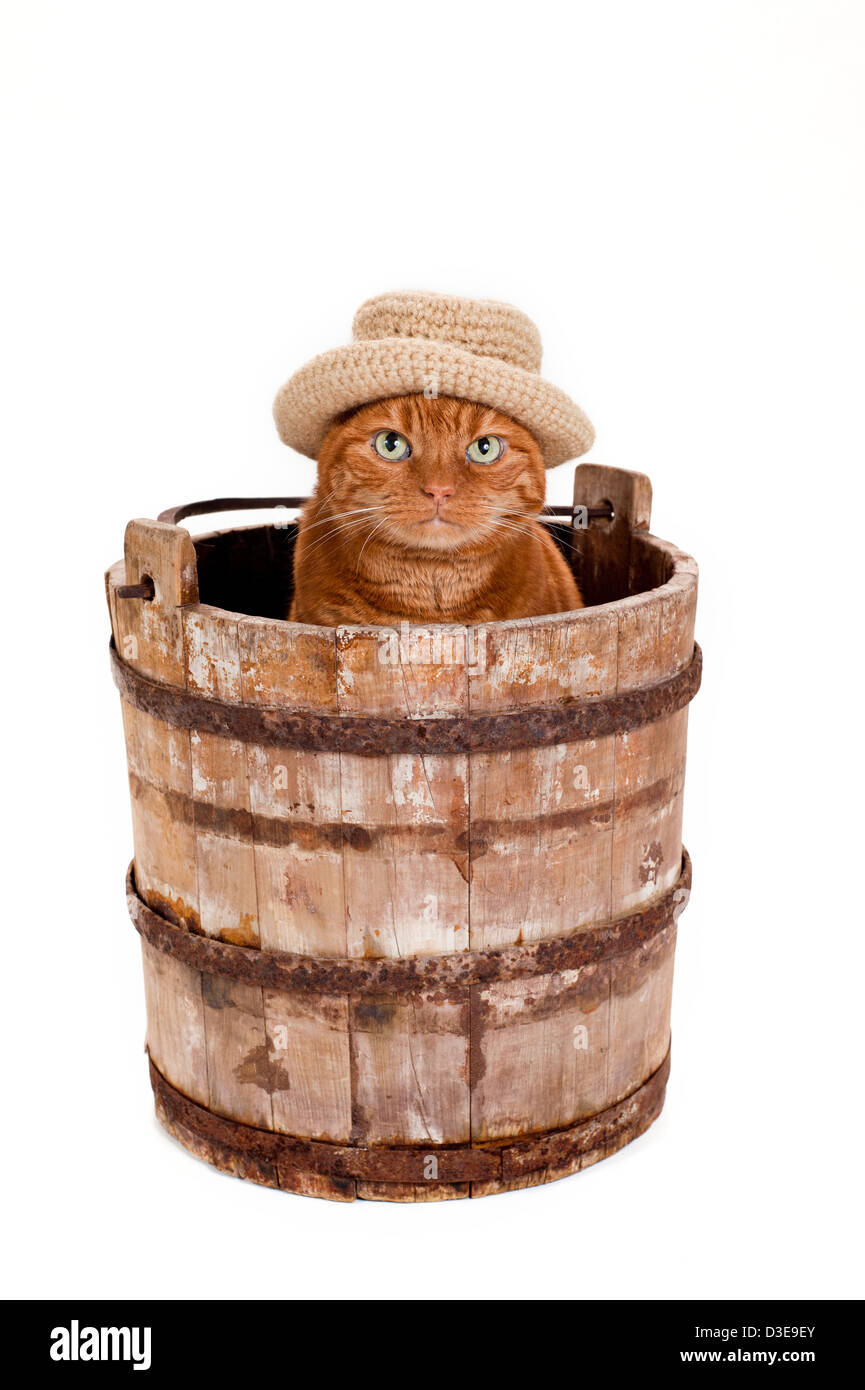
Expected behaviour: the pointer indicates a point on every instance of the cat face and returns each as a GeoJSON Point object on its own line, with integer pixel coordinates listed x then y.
{"type": "Point", "coordinates": [440, 474]}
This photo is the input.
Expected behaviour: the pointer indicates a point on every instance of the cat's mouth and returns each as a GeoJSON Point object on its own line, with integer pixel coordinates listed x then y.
{"type": "Point", "coordinates": [435, 532]}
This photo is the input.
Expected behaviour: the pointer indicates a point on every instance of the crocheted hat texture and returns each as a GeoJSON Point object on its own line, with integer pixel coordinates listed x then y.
{"type": "Point", "coordinates": [435, 345]}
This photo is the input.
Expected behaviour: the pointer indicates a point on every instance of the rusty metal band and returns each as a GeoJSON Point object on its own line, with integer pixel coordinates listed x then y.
{"type": "Point", "coordinates": [277, 1156]}
{"type": "Point", "coordinates": [534, 727]}
{"type": "Point", "coordinates": [456, 970]}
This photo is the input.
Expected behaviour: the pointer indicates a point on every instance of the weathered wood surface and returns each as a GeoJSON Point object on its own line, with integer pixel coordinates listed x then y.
{"type": "Point", "coordinates": [541, 824]}
{"type": "Point", "coordinates": [405, 816]}
{"type": "Point", "coordinates": [149, 637]}
{"type": "Point", "coordinates": [294, 795]}
{"type": "Point", "coordinates": [335, 855]}
{"type": "Point", "coordinates": [175, 1022]}
{"type": "Point", "coordinates": [604, 548]}
{"type": "Point", "coordinates": [228, 902]}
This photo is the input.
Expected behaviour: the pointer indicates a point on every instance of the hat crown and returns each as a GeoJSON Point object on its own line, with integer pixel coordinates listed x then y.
{"type": "Point", "coordinates": [482, 326]}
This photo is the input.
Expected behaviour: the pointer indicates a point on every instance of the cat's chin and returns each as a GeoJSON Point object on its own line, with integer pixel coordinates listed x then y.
{"type": "Point", "coordinates": [435, 534]}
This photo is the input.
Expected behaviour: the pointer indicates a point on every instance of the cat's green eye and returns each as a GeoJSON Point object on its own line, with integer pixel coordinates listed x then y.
{"type": "Point", "coordinates": [486, 449]}
{"type": "Point", "coordinates": [390, 445]}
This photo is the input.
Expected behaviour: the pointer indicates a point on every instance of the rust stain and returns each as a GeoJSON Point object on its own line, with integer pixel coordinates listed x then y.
{"type": "Point", "coordinates": [217, 992]}
{"type": "Point", "coordinates": [159, 799]}
{"type": "Point", "coordinates": [463, 866]}
{"type": "Point", "coordinates": [292, 898]}
{"type": "Point", "coordinates": [259, 1068]}
{"type": "Point", "coordinates": [653, 858]}
{"type": "Point", "coordinates": [173, 908]}
{"type": "Point", "coordinates": [631, 972]}
{"type": "Point", "coordinates": [361, 837]}
{"type": "Point", "coordinates": [373, 1015]}
{"type": "Point", "coordinates": [360, 1121]}
{"type": "Point", "coordinates": [552, 998]}
{"type": "Point", "coordinates": [244, 934]}
{"type": "Point", "coordinates": [477, 1021]}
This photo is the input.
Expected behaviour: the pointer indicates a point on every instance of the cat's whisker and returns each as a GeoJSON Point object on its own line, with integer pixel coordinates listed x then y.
{"type": "Point", "coordinates": [508, 525]}
{"type": "Point", "coordinates": [507, 511]}
{"type": "Point", "coordinates": [475, 536]}
{"type": "Point", "coordinates": [375, 528]}
{"type": "Point", "coordinates": [497, 518]}
{"type": "Point", "coordinates": [315, 503]}
{"type": "Point", "coordinates": [344, 525]}
{"type": "Point", "coordinates": [563, 540]}
{"type": "Point", "coordinates": [329, 535]}
{"type": "Point", "coordinates": [340, 516]}
{"type": "Point", "coordinates": [320, 501]}
{"type": "Point", "coordinates": [348, 526]}
{"type": "Point", "coordinates": [503, 518]}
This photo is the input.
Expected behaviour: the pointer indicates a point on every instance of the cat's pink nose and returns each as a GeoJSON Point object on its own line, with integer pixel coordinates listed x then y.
{"type": "Point", "coordinates": [438, 494]}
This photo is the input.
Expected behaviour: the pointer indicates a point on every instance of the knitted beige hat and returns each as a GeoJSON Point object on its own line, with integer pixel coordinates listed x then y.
{"type": "Point", "coordinates": [438, 345]}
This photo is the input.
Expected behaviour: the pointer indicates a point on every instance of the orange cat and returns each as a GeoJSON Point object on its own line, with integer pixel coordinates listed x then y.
{"type": "Point", "coordinates": [424, 511]}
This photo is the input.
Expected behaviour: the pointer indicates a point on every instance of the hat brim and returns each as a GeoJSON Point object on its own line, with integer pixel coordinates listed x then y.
{"type": "Point", "coordinates": [375, 369]}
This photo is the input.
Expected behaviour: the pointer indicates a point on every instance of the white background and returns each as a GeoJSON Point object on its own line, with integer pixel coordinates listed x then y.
{"type": "Point", "coordinates": [197, 197]}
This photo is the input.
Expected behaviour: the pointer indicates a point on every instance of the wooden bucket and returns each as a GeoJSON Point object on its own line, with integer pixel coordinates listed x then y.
{"type": "Point", "coordinates": [407, 900]}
